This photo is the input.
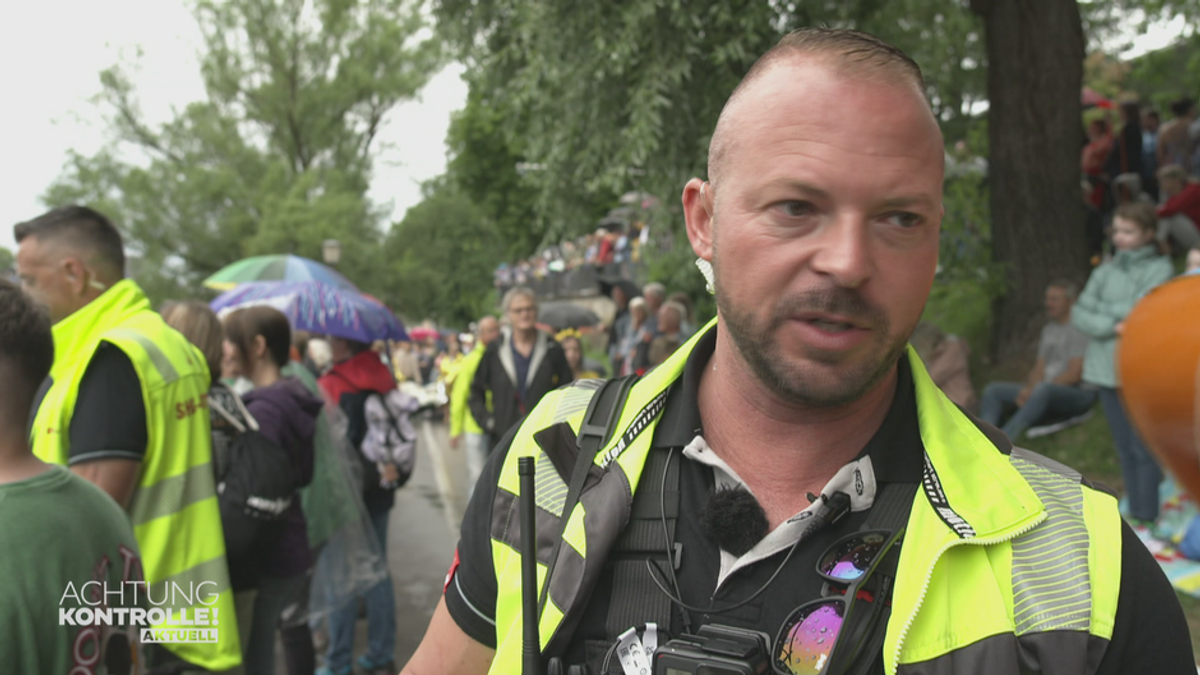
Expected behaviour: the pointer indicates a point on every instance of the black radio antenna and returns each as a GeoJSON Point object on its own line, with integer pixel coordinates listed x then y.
{"type": "Point", "coordinates": [531, 642]}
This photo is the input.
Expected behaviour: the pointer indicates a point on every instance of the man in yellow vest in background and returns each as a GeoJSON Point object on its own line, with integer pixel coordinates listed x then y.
{"type": "Point", "coordinates": [462, 422]}
{"type": "Point", "coordinates": [125, 408]}
{"type": "Point", "coordinates": [789, 491]}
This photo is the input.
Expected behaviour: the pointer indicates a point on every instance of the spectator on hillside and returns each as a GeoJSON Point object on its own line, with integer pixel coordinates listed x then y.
{"type": "Point", "coordinates": [1051, 391]}
{"type": "Point", "coordinates": [622, 292]}
{"type": "Point", "coordinates": [517, 369]}
{"type": "Point", "coordinates": [1126, 155]}
{"type": "Point", "coordinates": [1094, 158]}
{"type": "Point", "coordinates": [947, 358]}
{"type": "Point", "coordinates": [1127, 188]}
{"type": "Point", "coordinates": [687, 327]}
{"type": "Point", "coordinates": [670, 334]}
{"type": "Point", "coordinates": [1179, 216]}
{"type": "Point", "coordinates": [1174, 141]}
{"type": "Point", "coordinates": [655, 294]}
{"type": "Point", "coordinates": [635, 343]}
{"type": "Point", "coordinates": [1150, 126]}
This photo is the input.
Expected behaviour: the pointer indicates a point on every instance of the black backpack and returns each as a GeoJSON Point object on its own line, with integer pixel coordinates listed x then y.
{"type": "Point", "coordinates": [255, 486]}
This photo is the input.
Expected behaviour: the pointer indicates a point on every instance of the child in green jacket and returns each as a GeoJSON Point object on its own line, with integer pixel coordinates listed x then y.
{"type": "Point", "coordinates": [1111, 292]}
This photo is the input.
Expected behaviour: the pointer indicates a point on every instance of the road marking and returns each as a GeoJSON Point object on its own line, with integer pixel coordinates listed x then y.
{"type": "Point", "coordinates": [450, 496]}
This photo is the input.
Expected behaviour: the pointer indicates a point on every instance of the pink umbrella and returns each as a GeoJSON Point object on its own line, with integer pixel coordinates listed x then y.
{"type": "Point", "coordinates": [422, 333]}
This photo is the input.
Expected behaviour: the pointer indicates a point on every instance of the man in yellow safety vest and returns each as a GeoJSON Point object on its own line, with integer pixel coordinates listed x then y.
{"type": "Point", "coordinates": [125, 407]}
{"type": "Point", "coordinates": [789, 491]}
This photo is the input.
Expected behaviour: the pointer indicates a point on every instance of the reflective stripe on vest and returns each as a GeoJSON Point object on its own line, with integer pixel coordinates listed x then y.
{"type": "Point", "coordinates": [972, 597]}
{"type": "Point", "coordinates": [174, 507]}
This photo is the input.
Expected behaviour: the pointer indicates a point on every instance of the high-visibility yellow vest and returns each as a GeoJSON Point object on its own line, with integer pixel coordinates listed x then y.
{"type": "Point", "coordinates": [1006, 559]}
{"type": "Point", "coordinates": [174, 507]}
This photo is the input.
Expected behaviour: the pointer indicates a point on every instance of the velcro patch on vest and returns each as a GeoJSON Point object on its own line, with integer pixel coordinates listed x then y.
{"type": "Point", "coordinates": [941, 505]}
{"type": "Point", "coordinates": [652, 410]}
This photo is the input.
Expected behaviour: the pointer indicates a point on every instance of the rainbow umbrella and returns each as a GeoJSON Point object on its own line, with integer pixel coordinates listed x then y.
{"type": "Point", "coordinates": [275, 268]}
{"type": "Point", "coordinates": [319, 308]}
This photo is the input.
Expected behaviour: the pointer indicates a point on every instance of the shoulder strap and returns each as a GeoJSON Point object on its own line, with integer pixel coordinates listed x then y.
{"type": "Point", "coordinates": [387, 410]}
{"type": "Point", "coordinates": [891, 509]}
{"type": "Point", "coordinates": [251, 423]}
{"type": "Point", "coordinates": [597, 427]}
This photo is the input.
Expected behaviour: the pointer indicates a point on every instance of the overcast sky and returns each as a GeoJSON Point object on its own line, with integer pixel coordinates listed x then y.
{"type": "Point", "coordinates": [51, 53]}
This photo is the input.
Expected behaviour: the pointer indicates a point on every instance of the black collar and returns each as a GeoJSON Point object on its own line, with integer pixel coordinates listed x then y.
{"type": "Point", "coordinates": [896, 450]}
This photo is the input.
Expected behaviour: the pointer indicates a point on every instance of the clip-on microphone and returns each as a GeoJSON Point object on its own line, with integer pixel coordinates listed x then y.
{"type": "Point", "coordinates": [531, 642]}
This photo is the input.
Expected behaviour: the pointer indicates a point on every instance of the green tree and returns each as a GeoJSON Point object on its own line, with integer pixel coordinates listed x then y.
{"type": "Point", "coordinates": [441, 258]}
{"type": "Point", "coordinates": [7, 260]}
{"type": "Point", "coordinates": [279, 155]}
{"type": "Point", "coordinates": [611, 98]}
{"type": "Point", "coordinates": [489, 167]}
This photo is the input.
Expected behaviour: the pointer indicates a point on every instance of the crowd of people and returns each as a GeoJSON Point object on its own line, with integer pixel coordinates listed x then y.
{"type": "Point", "coordinates": [614, 250]}
{"type": "Point", "coordinates": [1147, 161]}
{"type": "Point", "coordinates": [229, 464]}
{"type": "Point", "coordinates": [221, 442]}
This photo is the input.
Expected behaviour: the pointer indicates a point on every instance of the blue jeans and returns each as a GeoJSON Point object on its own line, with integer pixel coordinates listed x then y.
{"type": "Point", "coordinates": [1046, 402]}
{"type": "Point", "coordinates": [1138, 468]}
{"type": "Point", "coordinates": [381, 617]}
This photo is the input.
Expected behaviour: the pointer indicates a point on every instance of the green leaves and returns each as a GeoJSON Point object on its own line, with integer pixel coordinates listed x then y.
{"type": "Point", "coordinates": [440, 259]}
{"type": "Point", "coordinates": [612, 97]}
{"type": "Point", "coordinates": [279, 155]}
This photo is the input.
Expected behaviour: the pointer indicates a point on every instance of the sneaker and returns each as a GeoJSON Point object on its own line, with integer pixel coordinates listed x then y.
{"type": "Point", "coordinates": [1145, 532]}
{"type": "Point", "coordinates": [1047, 429]}
{"type": "Point", "coordinates": [372, 667]}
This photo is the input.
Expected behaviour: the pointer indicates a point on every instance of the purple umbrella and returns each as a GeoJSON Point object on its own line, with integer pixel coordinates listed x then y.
{"type": "Point", "coordinates": [318, 308]}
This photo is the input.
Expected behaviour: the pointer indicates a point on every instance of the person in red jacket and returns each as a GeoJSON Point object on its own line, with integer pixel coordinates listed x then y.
{"type": "Point", "coordinates": [1179, 215]}
{"type": "Point", "coordinates": [356, 374]}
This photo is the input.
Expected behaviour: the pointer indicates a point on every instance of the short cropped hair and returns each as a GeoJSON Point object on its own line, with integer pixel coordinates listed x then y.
{"type": "Point", "coordinates": [243, 325]}
{"type": "Point", "coordinates": [201, 327]}
{"type": "Point", "coordinates": [1182, 106]}
{"type": "Point", "coordinates": [1067, 286]}
{"type": "Point", "coordinates": [518, 292]}
{"type": "Point", "coordinates": [26, 351]}
{"type": "Point", "coordinates": [848, 51]}
{"type": "Point", "coordinates": [87, 230]}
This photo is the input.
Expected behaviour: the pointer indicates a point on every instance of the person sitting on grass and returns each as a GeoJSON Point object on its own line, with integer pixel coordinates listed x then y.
{"type": "Point", "coordinates": [1051, 392]}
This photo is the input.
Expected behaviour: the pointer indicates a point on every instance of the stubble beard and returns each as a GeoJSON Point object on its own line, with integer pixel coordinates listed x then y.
{"type": "Point", "coordinates": [799, 383]}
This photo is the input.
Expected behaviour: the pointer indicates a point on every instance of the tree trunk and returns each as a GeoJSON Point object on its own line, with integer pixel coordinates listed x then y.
{"type": "Point", "coordinates": [1035, 54]}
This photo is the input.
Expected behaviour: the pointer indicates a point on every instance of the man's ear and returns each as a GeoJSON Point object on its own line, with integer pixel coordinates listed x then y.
{"type": "Point", "coordinates": [76, 274]}
{"type": "Point", "coordinates": [698, 213]}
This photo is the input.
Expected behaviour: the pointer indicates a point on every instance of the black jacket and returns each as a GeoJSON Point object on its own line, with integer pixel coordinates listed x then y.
{"type": "Point", "coordinates": [548, 370]}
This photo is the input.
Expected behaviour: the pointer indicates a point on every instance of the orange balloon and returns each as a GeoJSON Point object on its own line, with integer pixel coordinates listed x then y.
{"type": "Point", "coordinates": [1159, 363]}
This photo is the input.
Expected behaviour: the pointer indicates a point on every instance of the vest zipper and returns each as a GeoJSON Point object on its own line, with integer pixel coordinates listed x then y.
{"type": "Point", "coordinates": [929, 575]}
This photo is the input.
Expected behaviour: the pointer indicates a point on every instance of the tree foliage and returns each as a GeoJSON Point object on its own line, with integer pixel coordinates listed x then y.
{"type": "Point", "coordinates": [609, 98]}
{"type": "Point", "coordinates": [277, 157]}
{"type": "Point", "coordinates": [441, 257]}
{"type": "Point", "coordinates": [489, 167]}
